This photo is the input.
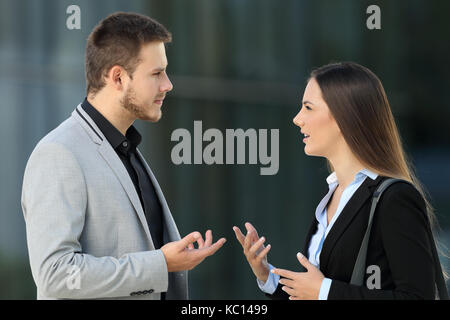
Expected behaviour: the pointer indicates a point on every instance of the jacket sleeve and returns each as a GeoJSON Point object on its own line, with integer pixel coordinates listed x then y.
{"type": "Point", "coordinates": [279, 294]}
{"type": "Point", "coordinates": [54, 201]}
{"type": "Point", "coordinates": [404, 233]}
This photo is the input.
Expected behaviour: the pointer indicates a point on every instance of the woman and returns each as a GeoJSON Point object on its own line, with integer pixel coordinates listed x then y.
{"type": "Point", "coordinates": [346, 118]}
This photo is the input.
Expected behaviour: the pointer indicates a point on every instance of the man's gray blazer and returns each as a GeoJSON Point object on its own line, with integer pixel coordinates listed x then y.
{"type": "Point", "coordinates": [87, 233]}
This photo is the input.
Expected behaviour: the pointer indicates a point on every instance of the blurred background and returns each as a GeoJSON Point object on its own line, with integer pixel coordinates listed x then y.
{"type": "Point", "coordinates": [234, 64]}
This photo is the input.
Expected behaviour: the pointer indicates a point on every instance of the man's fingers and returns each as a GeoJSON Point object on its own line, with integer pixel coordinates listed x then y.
{"type": "Point", "coordinates": [213, 248]}
{"type": "Point", "coordinates": [196, 256]}
{"type": "Point", "coordinates": [200, 242]}
{"type": "Point", "coordinates": [189, 239]}
{"type": "Point", "coordinates": [239, 236]}
{"type": "Point", "coordinates": [208, 238]}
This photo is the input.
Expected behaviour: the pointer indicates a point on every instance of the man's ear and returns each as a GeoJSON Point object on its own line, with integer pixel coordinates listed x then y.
{"type": "Point", "coordinates": [116, 77]}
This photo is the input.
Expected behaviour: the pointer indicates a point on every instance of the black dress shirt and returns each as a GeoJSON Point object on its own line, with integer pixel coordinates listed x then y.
{"type": "Point", "coordinates": [125, 147]}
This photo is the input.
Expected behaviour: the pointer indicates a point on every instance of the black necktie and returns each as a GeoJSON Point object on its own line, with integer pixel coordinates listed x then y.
{"type": "Point", "coordinates": [150, 201]}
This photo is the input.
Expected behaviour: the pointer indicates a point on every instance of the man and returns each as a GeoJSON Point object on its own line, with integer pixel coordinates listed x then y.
{"type": "Point", "coordinates": [97, 223]}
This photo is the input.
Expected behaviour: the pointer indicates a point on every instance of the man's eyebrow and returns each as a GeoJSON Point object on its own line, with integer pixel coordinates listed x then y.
{"type": "Point", "coordinates": [306, 101]}
{"type": "Point", "coordinates": [159, 69]}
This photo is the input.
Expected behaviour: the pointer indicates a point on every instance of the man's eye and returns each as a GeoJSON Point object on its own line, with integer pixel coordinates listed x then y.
{"type": "Point", "coordinates": [157, 73]}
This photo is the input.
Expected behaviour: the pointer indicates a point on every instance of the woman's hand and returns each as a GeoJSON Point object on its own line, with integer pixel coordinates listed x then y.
{"type": "Point", "coordinates": [254, 251]}
{"type": "Point", "coordinates": [301, 285]}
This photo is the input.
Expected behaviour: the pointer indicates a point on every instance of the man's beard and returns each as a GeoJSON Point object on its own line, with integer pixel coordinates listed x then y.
{"type": "Point", "coordinates": [128, 103]}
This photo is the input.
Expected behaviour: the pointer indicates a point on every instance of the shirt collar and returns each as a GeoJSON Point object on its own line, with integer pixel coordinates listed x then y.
{"type": "Point", "coordinates": [332, 184]}
{"type": "Point", "coordinates": [118, 141]}
{"type": "Point", "coordinates": [332, 178]}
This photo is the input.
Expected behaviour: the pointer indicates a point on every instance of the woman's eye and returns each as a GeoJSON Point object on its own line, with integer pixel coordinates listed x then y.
{"type": "Point", "coordinates": [307, 108]}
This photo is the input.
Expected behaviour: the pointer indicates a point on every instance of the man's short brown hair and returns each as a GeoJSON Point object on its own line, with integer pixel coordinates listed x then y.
{"type": "Point", "coordinates": [117, 40]}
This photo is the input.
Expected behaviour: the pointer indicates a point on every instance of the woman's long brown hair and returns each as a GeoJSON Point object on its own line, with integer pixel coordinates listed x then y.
{"type": "Point", "coordinates": [357, 101]}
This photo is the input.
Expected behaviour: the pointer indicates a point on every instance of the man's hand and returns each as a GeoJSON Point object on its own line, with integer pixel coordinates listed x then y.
{"type": "Point", "coordinates": [182, 255]}
{"type": "Point", "coordinates": [254, 251]}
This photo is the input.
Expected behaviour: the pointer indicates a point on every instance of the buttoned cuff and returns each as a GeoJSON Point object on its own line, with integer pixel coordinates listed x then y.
{"type": "Point", "coordinates": [271, 283]}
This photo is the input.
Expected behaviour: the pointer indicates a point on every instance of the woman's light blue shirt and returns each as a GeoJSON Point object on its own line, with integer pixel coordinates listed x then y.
{"type": "Point", "coordinates": [323, 228]}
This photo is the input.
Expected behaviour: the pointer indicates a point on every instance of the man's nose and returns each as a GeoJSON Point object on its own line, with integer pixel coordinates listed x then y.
{"type": "Point", "coordinates": [167, 85]}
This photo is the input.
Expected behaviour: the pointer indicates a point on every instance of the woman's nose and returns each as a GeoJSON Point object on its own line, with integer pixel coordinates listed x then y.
{"type": "Point", "coordinates": [298, 121]}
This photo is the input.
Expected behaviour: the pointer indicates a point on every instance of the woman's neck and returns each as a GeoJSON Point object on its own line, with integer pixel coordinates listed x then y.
{"type": "Point", "coordinates": [346, 166]}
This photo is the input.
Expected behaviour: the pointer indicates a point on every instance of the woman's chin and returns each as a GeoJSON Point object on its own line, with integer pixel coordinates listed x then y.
{"type": "Point", "coordinates": [307, 151]}
{"type": "Point", "coordinates": [311, 153]}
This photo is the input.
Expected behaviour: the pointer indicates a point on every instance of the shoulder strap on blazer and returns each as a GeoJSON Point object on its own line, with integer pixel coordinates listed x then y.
{"type": "Point", "coordinates": [360, 264]}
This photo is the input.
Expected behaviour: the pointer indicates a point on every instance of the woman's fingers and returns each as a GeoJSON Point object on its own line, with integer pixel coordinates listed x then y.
{"type": "Point", "coordinates": [287, 282]}
{"type": "Point", "coordinates": [254, 250]}
{"type": "Point", "coordinates": [263, 253]}
{"type": "Point", "coordinates": [256, 246]}
{"type": "Point", "coordinates": [248, 241]}
{"type": "Point", "coordinates": [245, 241]}
{"type": "Point", "coordinates": [239, 236]}
{"type": "Point", "coordinates": [251, 228]}
{"type": "Point", "coordinates": [288, 290]}
{"type": "Point", "coordinates": [253, 247]}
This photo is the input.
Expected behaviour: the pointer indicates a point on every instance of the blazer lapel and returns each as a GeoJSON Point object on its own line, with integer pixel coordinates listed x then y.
{"type": "Point", "coordinates": [114, 162]}
{"type": "Point", "coordinates": [350, 210]}
{"type": "Point", "coordinates": [121, 172]}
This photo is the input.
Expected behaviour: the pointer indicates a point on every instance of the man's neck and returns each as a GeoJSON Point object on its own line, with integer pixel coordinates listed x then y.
{"type": "Point", "coordinates": [112, 111]}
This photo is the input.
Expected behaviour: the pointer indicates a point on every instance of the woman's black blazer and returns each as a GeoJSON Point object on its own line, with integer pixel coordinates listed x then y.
{"type": "Point", "coordinates": [399, 245]}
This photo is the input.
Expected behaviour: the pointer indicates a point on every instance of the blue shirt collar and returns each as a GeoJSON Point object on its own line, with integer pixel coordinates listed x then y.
{"type": "Point", "coordinates": [332, 178]}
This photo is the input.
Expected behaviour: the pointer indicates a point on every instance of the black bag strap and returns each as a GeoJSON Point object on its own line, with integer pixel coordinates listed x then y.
{"type": "Point", "coordinates": [359, 269]}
